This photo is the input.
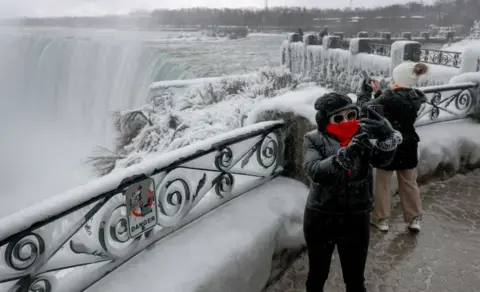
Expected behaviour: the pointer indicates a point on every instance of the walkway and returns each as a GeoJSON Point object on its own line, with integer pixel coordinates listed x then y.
{"type": "Point", "coordinates": [443, 257]}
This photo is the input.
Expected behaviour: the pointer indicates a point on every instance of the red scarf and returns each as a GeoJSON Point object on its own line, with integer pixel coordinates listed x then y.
{"type": "Point", "coordinates": [344, 132]}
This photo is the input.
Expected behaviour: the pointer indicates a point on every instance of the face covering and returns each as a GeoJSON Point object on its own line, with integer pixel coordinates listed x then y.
{"type": "Point", "coordinates": [343, 131]}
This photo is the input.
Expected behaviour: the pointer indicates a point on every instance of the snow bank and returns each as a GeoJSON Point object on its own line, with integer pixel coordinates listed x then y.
{"type": "Point", "coordinates": [437, 75]}
{"type": "Point", "coordinates": [466, 77]}
{"type": "Point", "coordinates": [298, 103]}
{"type": "Point", "coordinates": [448, 148]}
{"type": "Point", "coordinates": [230, 249]}
{"type": "Point", "coordinates": [461, 45]}
{"type": "Point", "coordinates": [470, 59]}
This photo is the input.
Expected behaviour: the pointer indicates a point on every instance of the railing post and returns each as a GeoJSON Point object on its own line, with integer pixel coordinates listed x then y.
{"type": "Point", "coordinates": [331, 42]}
{"type": "Point", "coordinates": [468, 63]}
{"type": "Point", "coordinates": [359, 45]}
{"type": "Point", "coordinates": [404, 51]}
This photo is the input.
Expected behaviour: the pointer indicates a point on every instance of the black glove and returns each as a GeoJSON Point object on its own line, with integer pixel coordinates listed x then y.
{"type": "Point", "coordinates": [346, 156]}
{"type": "Point", "coordinates": [367, 87]}
{"type": "Point", "coordinates": [376, 126]}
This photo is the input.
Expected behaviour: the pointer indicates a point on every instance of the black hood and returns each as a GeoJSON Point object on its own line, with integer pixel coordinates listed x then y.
{"type": "Point", "coordinates": [330, 104]}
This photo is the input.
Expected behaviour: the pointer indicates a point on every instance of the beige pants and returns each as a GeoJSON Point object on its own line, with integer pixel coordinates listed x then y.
{"type": "Point", "coordinates": [409, 194]}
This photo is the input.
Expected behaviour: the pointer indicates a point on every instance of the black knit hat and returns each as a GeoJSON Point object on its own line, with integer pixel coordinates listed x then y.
{"type": "Point", "coordinates": [330, 104]}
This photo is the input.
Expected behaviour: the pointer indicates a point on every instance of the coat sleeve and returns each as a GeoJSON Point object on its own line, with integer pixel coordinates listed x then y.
{"type": "Point", "coordinates": [362, 99]}
{"type": "Point", "coordinates": [383, 152]}
{"type": "Point", "coordinates": [320, 169]}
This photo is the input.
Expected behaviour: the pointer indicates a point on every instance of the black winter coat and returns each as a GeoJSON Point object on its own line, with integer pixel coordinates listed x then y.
{"type": "Point", "coordinates": [332, 189]}
{"type": "Point", "coordinates": [401, 108]}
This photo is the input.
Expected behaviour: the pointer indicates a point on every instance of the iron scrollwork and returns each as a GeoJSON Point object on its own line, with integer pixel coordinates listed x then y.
{"type": "Point", "coordinates": [38, 284]}
{"type": "Point", "coordinates": [23, 253]}
{"type": "Point", "coordinates": [456, 105]}
{"type": "Point", "coordinates": [98, 232]}
{"type": "Point", "coordinates": [268, 151]}
{"type": "Point", "coordinates": [446, 58]}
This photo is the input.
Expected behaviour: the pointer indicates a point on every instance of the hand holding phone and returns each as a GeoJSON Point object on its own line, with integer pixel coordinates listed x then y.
{"type": "Point", "coordinates": [375, 125]}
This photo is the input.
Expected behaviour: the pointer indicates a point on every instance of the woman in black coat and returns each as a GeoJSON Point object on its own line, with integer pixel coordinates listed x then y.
{"type": "Point", "coordinates": [400, 105]}
{"type": "Point", "coordinates": [338, 159]}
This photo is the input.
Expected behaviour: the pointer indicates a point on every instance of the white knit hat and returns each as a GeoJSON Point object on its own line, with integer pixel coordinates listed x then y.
{"type": "Point", "coordinates": [404, 75]}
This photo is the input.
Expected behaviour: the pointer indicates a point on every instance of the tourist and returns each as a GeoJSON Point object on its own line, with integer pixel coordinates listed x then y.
{"type": "Point", "coordinates": [400, 106]}
{"type": "Point", "coordinates": [337, 160]}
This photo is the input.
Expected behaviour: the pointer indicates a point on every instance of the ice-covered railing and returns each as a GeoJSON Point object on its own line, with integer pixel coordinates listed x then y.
{"type": "Point", "coordinates": [448, 102]}
{"type": "Point", "coordinates": [330, 64]}
{"type": "Point", "coordinates": [70, 241]}
{"type": "Point", "coordinates": [445, 58]}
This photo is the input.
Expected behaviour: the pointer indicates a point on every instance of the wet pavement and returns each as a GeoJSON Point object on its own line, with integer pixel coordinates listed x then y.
{"type": "Point", "coordinates": [444, 256]}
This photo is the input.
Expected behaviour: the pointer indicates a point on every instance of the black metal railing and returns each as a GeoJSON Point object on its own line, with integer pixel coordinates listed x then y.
{"type": "Point", "coordinates": [380, 49]}
{"type": "Point", "coordinates": [445, 58]}
{"type": "Point", "coordinates": [448, 102]}
{"type": "Point", "coordinates": [52, 246]}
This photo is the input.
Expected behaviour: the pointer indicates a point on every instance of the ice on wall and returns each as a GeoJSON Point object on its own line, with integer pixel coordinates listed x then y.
{"type": "Point", "coordinates": [466, 77]}
{"type": "Point", "coordinates": [398, 52]}
{"type": "Point", "coordinates": [470, 59]}
{"type": "Point", "coordinates": [437, 75]}
{"type": "Point", "coordinates": [354, 46]}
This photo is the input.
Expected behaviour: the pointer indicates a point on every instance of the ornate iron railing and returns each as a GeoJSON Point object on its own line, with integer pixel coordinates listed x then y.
{"type": "Point", "coordinates": [70, 242]}
{"type": "Point", "coordinates": [380, 49]}
{"type": "Point", "coordinates": [448, 102]}
{"type": "Point", "coordinates": [446, 58]}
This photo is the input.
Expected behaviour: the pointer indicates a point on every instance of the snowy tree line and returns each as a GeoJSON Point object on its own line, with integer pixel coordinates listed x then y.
{"type": "Point", "coordinates": [393, 17]}
{"type": "Point", "coordinates": [443, 13]}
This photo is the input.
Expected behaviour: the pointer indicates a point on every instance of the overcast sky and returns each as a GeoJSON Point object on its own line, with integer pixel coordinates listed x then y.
{"type": "Point", "coordinates": [19, 8]}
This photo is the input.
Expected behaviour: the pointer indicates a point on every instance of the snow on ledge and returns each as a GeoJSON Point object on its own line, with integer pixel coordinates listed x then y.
{"type": "Point", "coordinates": [194, 82]}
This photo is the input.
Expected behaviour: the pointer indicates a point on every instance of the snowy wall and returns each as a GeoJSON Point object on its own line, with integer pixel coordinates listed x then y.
{"type": "Point", "coordinates": [334, 68]}
{"type": "Point", "coordinates": [342, 69]}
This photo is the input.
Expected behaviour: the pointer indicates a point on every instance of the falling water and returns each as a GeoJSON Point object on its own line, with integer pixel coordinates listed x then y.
{"type": "Point", "coordinates": [57, 94]}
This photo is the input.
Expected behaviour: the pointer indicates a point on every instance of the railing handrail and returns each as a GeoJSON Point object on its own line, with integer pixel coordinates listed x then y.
{"type": "Point", "coordinates": [53, 208]}
{"type": "Point", "coordinates": [446, 87]}
{"type": "Point", "coordinates": [380, 44]}
{"type": "Point", "coordinates": [443, 51]}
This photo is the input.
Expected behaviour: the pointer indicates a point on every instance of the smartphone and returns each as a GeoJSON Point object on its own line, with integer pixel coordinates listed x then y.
{"type": "Point", "coordinates": [377, 108]}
